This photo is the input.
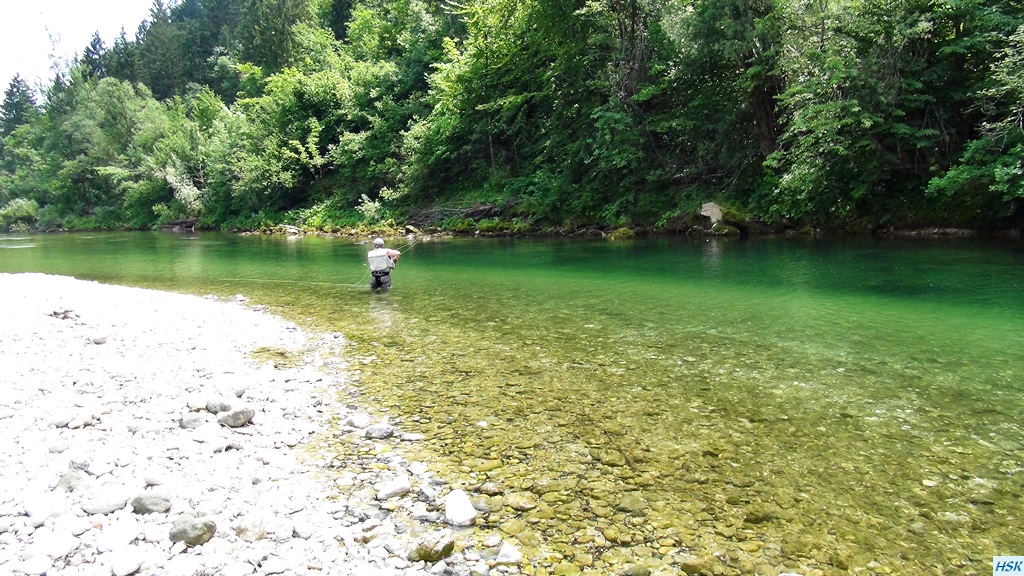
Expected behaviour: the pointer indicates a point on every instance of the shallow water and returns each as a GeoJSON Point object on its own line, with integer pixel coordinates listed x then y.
{"type": "Point", "coordinates": [842, 406]}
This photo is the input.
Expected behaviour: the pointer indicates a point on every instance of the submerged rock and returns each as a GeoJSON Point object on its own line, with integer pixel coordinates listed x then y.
{"type": "Point", "coordinates": [379, 431]}
{"type": "Point", "coordinates": [632, 503]}
{"type": "Point", "coordinates": [521, 501]}
{"type": "Point", "coordinates": [608, 457]}
{"type": "Point", "coordinates": [509, 555]}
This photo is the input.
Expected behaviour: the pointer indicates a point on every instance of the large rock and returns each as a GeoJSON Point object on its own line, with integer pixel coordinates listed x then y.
{"type": "Point", "coordinates": [509, 555]}
{"type": "Point", "coordinates": [126, 560]}
{"type": "Point", "coordinates": [399, 486]}
{"type": "Point", "coordinates": [236, 418]}
{"type": "Point", "coordinates": [105, 501]}
{"type": "Point", "coordinates": [379, 431]}
{"type": "Point", "coordinates": [71, 480]}
{"type": "Point", "coordinates": [218, 405]}
{"type": "Point", "coordinates": [192, 531]}
{"type": "Point", "coordinates": [712, 211]}
{"type": "Point", "coordinates": [458, 509]}
{"type": "Point", "coordinates": [150, 503]}
{"type": "Point", "coordinates": [357, 420]}
{"type": "Point", "coordinates": [433, 546]}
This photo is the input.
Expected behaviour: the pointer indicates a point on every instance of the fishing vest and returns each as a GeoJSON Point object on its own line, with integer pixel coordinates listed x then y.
{"type": "Point", "coordinates": [379, 260]}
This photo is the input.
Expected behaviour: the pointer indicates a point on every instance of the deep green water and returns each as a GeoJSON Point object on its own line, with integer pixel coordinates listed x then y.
{"type": "Point", "coordinates": [843, 406]}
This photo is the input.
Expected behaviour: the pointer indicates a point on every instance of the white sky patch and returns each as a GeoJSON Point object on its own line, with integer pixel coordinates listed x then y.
{"type": "Point", "coordinates": [26, 28]}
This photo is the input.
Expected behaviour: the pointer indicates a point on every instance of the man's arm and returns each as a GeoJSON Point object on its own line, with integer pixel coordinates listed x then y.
{"type": "Point", "coordinates": [394, 255]}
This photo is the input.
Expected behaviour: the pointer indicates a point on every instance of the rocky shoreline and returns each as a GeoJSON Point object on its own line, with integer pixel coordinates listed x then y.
{"type": "Point", "coordinates": [143, 437]}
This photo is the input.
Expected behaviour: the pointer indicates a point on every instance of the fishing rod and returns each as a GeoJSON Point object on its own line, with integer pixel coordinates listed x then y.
{"type": "Point", "coordinates": [277, 281]}
{"type": "Point", "coordinates": [412, 243]}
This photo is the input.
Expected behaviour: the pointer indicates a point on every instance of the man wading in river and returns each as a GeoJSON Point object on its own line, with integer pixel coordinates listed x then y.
{"type": "Point", "coordinates": [382, 260]}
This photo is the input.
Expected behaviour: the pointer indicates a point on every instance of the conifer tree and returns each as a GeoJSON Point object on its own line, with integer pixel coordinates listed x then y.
{"type": "Point", "coordinates": [19, 106]}
{"type": "Point", "coordinates": [93, 58]}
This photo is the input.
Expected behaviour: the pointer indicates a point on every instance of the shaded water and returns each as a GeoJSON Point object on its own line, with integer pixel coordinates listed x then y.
{"type": "Point", "coordinates": [720, 406]}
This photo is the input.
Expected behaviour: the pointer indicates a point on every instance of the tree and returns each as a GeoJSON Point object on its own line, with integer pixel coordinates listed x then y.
{"type": "Point", "coordinates": [93, 60]}
{"type": "Point", "coordinates": [988, 180]}
{"type": "Point", "coordinates": [19, 106]}
{"type": "Point", "coordinates": [265, 31]}
{"type": "Point", "coordinates": [161, 65]}
{"type": "Point", "coordinates": [122, 60]}
{"type": "Point", "coordinates": [338, 17]}
{"type": "Point", "coordinates": [882, 96]}
{"type": "Point", "coordinates": [18, 110]}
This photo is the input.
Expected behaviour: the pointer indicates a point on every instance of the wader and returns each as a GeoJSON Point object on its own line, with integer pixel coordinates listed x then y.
{"type": "Point", "coordinates": [380, 281]}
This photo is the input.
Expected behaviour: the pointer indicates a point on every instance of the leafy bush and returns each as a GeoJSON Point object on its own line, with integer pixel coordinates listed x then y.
{"type": "Point", "coordinates": [458, 225]}
{"type": "Point", "coordinates": [490, 225]}
{"type": "Point", "coordinates": [622, 234]}
{"type": "Point", "coordinates": [328, 216]}
{"type": "Point", "coordinates": [371, 210]}
{"type": "Point", "coordinates": [253, 221]}
{"type": "Point", "coordinates": [18, 211]}
{"type": "Point", "coordinates": [50, 218]}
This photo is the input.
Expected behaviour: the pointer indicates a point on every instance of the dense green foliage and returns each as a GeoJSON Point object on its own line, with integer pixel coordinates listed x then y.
{"type": "Point", "coordinates": [509, 114]}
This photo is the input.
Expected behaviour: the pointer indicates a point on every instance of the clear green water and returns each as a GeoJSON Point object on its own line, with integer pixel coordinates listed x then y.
{"type": "Point", "coordinates": [832, 406]}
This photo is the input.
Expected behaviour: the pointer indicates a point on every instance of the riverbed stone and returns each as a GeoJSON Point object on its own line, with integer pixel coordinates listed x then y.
{"type": "Point", "coordinates": [192, 531]}
{"type": "Point", "coordinates": [379, 431]}
{"type": "Point", "coordinates": [608, 456]}
{"type": "Point", "coordinates": [492, 489]}
{"type": "Point", "coordinates": [53, 543]}
{"type": "Point", "coordinates": [458, 509]}
{"type": "Point", "coordinates": [508, 555]}
{"type": "Point", "coordinates": [139, 417]}
{"type": "Point", "coordinates": [36, 565]}
{"type": "Point", "coordinates": [126, 560]}
{"type": "Point", "coordinates": [191, 420]}
{"type": "Point", "coordinates": [398, 486]}
{"type": "Point", "coordinates": [237, 418]}
{"type": "Point", "coordinates": [151, 503]}
{"type": "Point", "coordinates": [433, 546]}
{"type": "Point", "coordinates": [632, 503]}
{"type": "Point", "coordinates": [218, 405]}
{"type": "Point", "coordinates": [695, 564]}
{"type": "Point", "coordinates": [71, 480]}
{"type": "Point", "coordinates": [521, 501]}
{"type": "Point", "coordinates": [105, 501]}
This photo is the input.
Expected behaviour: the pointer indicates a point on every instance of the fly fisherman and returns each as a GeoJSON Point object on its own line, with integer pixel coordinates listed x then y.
{"type": "Point", "coordinates": [382, 260]}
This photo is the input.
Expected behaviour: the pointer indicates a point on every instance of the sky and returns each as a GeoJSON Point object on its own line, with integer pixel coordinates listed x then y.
{"type": "Point", "coordinates": [26, 28]}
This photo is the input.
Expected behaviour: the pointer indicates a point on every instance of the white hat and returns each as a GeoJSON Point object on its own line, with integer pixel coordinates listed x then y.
{"type": "Point", "coordinates": [378, 241]}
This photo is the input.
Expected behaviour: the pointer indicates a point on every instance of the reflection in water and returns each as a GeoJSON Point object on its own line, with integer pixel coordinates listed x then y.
{"type": "Point", "coordinates": [712, 253]}
{"type": "Point", "coordinates": [717, 407]}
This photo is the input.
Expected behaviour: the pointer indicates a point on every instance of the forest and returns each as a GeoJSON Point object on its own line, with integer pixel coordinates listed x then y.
{"type": "Point", "coordinates": [528, 115]}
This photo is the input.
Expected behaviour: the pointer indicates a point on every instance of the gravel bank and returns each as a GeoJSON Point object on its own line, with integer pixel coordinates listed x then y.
{"type": "Point", "coordinates": [140, 437]}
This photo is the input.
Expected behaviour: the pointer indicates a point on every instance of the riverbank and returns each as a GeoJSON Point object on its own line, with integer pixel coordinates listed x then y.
{"type": "Point", "coordinates": [143, 436]}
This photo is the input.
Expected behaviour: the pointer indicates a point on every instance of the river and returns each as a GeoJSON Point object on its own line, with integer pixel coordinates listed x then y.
{"type": "Point", "coordinates": [716, 405]}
